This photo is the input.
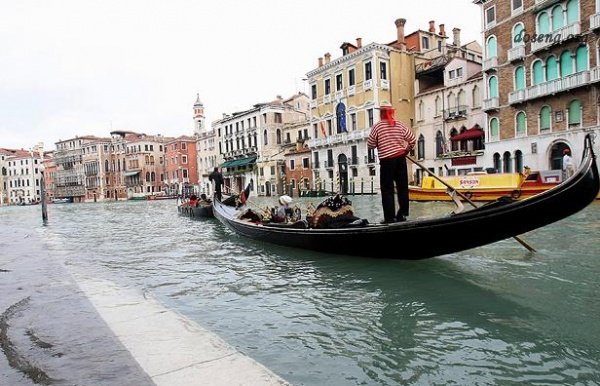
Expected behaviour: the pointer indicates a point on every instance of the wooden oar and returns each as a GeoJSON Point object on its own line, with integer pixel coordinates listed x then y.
{"type": "Point", "coordinates": [519, 240]}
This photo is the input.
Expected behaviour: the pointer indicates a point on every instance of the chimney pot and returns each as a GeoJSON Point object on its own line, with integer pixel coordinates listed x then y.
{"type": "Point", "coordinates": [442, 30]}
{"type": "Point", "coordinates": [400, 31]}
{"type": "Point", "coordinates": [327, 57]}
{"type": "Point", "coordinates": [456, 32]}
{"type": "Point", "coordinates": [432, 26]}
{"type": "Point", "coordinates": [358, 42]}
{"type": "Point", "coordinates": [320, 62]}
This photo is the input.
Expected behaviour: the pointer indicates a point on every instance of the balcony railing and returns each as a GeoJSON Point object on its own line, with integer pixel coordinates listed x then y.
{"type": "Point", "coordinates": [327, 98]}
{"type": "Point", "coordinates": [595, 21]}
{"type": "Point", "coordinates": [368, 84]}
{"type": "Point", "coordinates": [328, 164]}
{"type": "Point", "coordinates": [516, 53]}
{"type": "Point", "coordinates": [351, 90]}
{"type": "Point", "coordinates": [490, 63]}
{"type": "Point", "coordinates": [595, 74]}
{"type": "Point", "coordinates": [558, 85]}
{"type": "Point", "coordinates": [385, 84]}
{"type": "Point", "coordinates": [316, 164]}
{"type": "Point", "coordinates": [339, 94]}
{"type": "Point", "coordinates": [556, 37]}
{"type": "Point", "coordinates": [370, 160]}
{"type": "Point", "coordinates": [517, 96]}
{"type": "Point", "coordinates": [455, 112]}
{"type": "Point", "coordinates": [353, 161]}
{"type": "Point", "coordinates": [491, 104]}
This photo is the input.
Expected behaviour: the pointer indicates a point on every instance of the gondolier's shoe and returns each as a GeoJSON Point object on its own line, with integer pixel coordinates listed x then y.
{"type": "Point", "coordinates": [388, 221]}
{"type": "Point", "coordinates": [400, 218]}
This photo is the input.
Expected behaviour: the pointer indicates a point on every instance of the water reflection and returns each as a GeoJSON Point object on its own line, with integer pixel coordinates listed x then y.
{"type": "Point", "coordinates": [494, 314]}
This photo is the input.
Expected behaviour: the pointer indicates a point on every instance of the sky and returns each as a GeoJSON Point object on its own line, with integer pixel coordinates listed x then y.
{"type": "Point", "coordinates": [87, 67]}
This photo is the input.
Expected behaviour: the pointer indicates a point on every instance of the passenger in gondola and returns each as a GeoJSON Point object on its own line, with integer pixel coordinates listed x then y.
{"type": "Point", "coordinates": [193, 200]}
{"type": "Point", "coordinates": [204, 200]}
{"type": "Point", "coordinates": [284, 212]}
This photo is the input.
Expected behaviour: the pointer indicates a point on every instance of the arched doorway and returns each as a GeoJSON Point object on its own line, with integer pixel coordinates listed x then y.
{"type": "Point", "coordinates": [518, 161]}
{"type": "Point", "coordinates": [343, 173]}
{"type": "Point", "coordinates": [268, 189]}
{"type": "Point", "coordinates": [556, 155]}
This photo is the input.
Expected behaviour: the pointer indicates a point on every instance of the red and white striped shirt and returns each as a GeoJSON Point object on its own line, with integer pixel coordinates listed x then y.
{"type": "Point", "coordinates": [391, 141]}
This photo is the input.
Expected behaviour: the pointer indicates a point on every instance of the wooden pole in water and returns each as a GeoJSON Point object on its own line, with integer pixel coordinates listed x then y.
{"type": "Point", "coordinates": [519, 240]}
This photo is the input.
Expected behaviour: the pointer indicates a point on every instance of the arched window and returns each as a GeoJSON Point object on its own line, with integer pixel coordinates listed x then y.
{"type": "Point", "coordinates": [494, 128]}
{"type": "Point", "coordinates": [572, 11]}
{"type": "Point", "coordinates": [106, 166]}
{"type": "Point", "coordinates": [492, 47]}
{"type": "Point", "coordinates": [438, 106]}
{"type": "Point", "coordinates": [581, 59]}
{"type": "Point", "coordinates": [506, 162]}
{"type": "Point", "coordinates": [153, 176]}
{"type": "Point", "coordinates": [476, 97]}
{"type": "Point", "coordinates": [518, 161]}
{"type": "Point", "coordinates": [265, 138]}
{"type": "Point", "coordinates": [278, 135]}
{"type": "Point", "coordinates": [493, 87]}
{"type": "Point", "coordinates": [566, 63]}
{"type": "Point", "coordinates": [462, 100]}
{"type": "Point", "coordinates": [147, 177]}
{"type": "Point", "coordinates": [421, 111]}
{"type": "Point", "coordinates": [521, 119]}
{"type": "Point", "coordinates": [545, 121]}
{"type": "Point", "coordinates": [538, 72]}
{"type": "Point", "coordinates": [517, 35]}
{"type": "Point", "coordinates": [543, 23]}
{"type": "Point", "coordinates": [551, 68]}
{"type": "Point", "coordinates": [451, 100]}
{"type": "Point", "coordinates": [575, 112]}
{"type": "Point", "coordinates": [520, 78]}
{"type": "Point", "coordinates": [453, 144]}
{"type": "Point", "coordinates": [558, 18]}
{"type": "Point", "coordinates": [439, 144]}
{"type": "Point", "coordinates": [421, 147]}
{"type": "Point", "coordinates": [497, 162]}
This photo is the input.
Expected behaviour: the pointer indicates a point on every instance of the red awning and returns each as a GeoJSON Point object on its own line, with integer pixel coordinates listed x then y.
{"type": "Point", "coordinates": [468, 134]}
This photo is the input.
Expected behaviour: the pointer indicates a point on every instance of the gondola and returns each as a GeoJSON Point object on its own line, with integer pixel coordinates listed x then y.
{"type": "Point", "coordinates": [419, 239]}
{"type": "Point", "coordinates": [200, 211]}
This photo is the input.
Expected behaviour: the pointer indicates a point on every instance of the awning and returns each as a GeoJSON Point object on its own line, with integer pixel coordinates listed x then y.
{"type": "Point", "coordinates": [468, 134]}
{"type": "Point", "coordinates": [238, 162]}
{"type": "Point", "coordinates": [132, 173]}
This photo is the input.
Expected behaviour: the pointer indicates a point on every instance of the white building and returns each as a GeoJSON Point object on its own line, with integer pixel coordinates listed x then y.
{"type": "Point", "coordinates": [23, 177]}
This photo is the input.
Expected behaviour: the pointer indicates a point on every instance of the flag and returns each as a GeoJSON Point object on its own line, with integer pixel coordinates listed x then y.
{"type": "Point", "coordinates": [323, 130]}
{"type": "Point", "coordinates": [343, 123]}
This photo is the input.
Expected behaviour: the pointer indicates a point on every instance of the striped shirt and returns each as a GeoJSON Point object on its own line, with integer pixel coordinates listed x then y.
{"type": "Point", "coordinates": [391, 141]}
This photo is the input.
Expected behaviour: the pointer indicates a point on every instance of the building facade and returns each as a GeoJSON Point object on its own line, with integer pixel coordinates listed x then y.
{"type": "Point", "coordinates": [541, 80]}
{"type": "Point", "coordinates": [345, 96]}
{"type": "Point", "coordinates": [145, 165]}
{"type": "Point", "coordinates": [23, 177]}
{"type": "Point", "coordinates": [181, 165]}
{"type": "Point", "coordinates": [95, 157]}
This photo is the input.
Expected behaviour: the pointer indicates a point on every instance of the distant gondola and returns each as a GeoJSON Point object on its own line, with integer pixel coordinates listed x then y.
{"type": "Point", "coordinates": [419, 239]}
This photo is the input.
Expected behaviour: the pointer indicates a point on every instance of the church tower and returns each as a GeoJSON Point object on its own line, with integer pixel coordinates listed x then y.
{"type": "Point", "coordinates": [198, 116]}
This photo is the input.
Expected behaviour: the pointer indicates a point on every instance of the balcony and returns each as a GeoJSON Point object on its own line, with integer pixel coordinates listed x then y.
{"type": "Point", "coordinates": [368, 84]}
{"type": "Point", "coordinates": [328, 164]}
{"type": "Point", "coordinates": [313, 104]}
{"type": "Point", "coordinates": [458, 112]}
{"type": "Point", "coordinates": [595, 21]}
{"type": "Point", "coordinates": [491, 104]}
{"type": "Point", "coordinates": [517, 97]}
{"type": "Point", "coordinates": [353, 161]}
{"type": "Point", "coordinates": [556, 37]}
{"type": "Point", "coordinates": [327, 98]}
{"type": "Point", "coordinates": [370, 160]}
{"type": "Point", "coordinates": [516, 53]}
{"type": "Point", "coordinates": [558, 85]}
{"type": "Point", "coordinates": [316, 164]}
{"type": "Point", "coordinates": [490, 63]}
{"type": "Point", "coordinates": [385, 84]}
{"type": "Point", "coordinates": [351, 90]}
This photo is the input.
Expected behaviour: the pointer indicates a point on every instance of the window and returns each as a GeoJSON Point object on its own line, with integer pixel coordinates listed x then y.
{"type": "Point", "coordinates": [265, 138]}
{"type": "Point", "coordinates": [572, 11]}
{"type": "Point", "coordinates": [353, 121]}
{"type": "Point", "coordinates": [184, 159]}
{"type": "Point", "coordinates": [185, 173]}
{"type": "Point", "coordinates": [519, 78]}
{"type": "Point", "coordinates": [581, 58]}
{"type": "Point", "coordinates": [558, 18]}
{"type": "Point", "coordinates": [476, 97]}
{"type": "Point", "coordinates": [543, 23]}
{"type": "Point", "coordinates": [327, 86]}
{"type": "Point", "coordinates": [278, 118]}
{"type": "Point", "coordinates": [494, 128]}
{"type": "Point", "coordinates": [421, 111]}
{"type": "Point", "coordinates": [292, 164]}
{"type": "Point", "coordinates": [575, 112]}
{"type": "Point", "coordinates": [421, 147]}
{"type": "Point", "coordinates": [459, 72]}
{"type": "Point", "coordinates": [490, 17]}
{"type": "Point", "coordinates": [368, 71]}
{"type": "Point", "coordinates": [272, 170]}
{"type": "Point", "coordinates": [305, 163]}
{"type": "Point", "coordinates": [545, 118]}
{"type": "Point", "coordinates": [551, 68]}
{"type": "Point", "coordinates": [439, 144]}
{"type": "Point", "coordinates": [566, 63]}
{"type": "Point", "coordinates": [329, 127]}
{"type": "Point", "coordinates": [424, 43]}
{"type": "Point", "coordinates": [183, 146]}
{"type": "Point", "coordinates": [316, 159]}
{"type": "Point", "coordinates": [521, 124]}
{"type": "Point", "coordinates": [383, 70]}
{"type": "Point", "coordinates": [492, 47]}
{"type": "Point", "coordinates": [451, 74]}
{"type": "Point", "coordinates": [517, 5]}
{"type": "Point", "coordinates": [538, 72]}
{"type": "Point", "coordinates": [506, 162]}
{"type": "Point", "coordinates": [438, 106]}
{"type": "Point", "coordinates": [493, 87]}
{"type": "Point", "coordinates": [315, 130]}
{"type": "Point", "coordinates": [339, 84]}
{"type": "Point", "coordinates": [370, 117]}
{"type": "Point", "coordinates": [517, 35]}
{"type": "Point", "coordinates": [351, 80]}
{"type": "Point", "coordinates": [278, 134]}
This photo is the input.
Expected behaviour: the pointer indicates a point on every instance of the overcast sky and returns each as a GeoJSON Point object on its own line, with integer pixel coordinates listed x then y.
{"type": "Point", "coordinates": [76, 67]}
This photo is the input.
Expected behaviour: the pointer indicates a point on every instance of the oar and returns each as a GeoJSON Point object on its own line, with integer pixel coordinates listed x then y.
{"type": "Point", "coordinates": [521, 241]}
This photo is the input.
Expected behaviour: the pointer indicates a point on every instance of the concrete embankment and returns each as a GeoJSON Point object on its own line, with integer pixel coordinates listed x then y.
{"type": "Point", "coordinates": [63, 327]}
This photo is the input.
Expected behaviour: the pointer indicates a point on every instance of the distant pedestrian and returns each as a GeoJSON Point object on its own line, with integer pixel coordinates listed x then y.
{"type": "Point", "coordinates": [567, 164]}
{"type": "Point", "coordinates": [217, 178]}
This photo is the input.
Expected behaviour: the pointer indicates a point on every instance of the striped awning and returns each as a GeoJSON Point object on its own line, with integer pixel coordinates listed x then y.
{"type": "Point", "coordinates": [132, 173]}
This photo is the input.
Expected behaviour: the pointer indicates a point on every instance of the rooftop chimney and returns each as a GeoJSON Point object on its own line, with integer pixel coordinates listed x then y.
{"type": "Point", "coordinates": [432, 26]}
{"type": "Point", "coordinates": [358, 42]}
{"type": "Point", "coordinates": [327, 57]}
{"type": "Point", "coordinates": [442, 29]}
{"type": "Point", "coordinates": [456, 32]}
{"type": "Point", "coordinates": [320, 62]}
{"type": "Point", "coordinates": [400, 30]}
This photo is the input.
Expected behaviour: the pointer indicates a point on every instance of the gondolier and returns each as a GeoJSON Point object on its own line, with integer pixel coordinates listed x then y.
{"type": "Point", "coordinates": [393, 141]}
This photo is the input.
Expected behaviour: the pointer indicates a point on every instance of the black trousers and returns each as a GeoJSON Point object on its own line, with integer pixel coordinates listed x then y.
{"type": "Point", "coordinates": [392, 172]}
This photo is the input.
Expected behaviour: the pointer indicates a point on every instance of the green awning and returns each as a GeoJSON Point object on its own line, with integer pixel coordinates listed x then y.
{"type": "Point", "coordinates": [132, 173]}
{"type": "Point", "coordinates": [238, 162]}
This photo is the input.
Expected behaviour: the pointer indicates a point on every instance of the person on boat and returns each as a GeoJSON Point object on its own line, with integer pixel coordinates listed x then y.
{"type": "Point", "coordinates": [567, 164]}
{"type": "Point", "coordinates": [204, 200]}
{"type": "Point", "coordinates": [393, 141]}
{"type": "Point", "coordinates": [217, 178]}
{"type": "Point", "coordinates": [193, 200]}
{"type": "Point", "coordinates": [284, 210]}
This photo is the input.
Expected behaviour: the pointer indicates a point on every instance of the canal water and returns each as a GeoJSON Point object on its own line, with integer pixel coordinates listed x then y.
{"type": "Point", "coordinates": [491, 315]}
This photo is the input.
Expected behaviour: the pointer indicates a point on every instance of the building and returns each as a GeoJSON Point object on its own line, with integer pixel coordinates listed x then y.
{"type": "Point", "coordinates": [181, 166]}
{"type": "Point", "coordinates": [70, 178]}
{"type": "Point", "coordinates": [96, 157]}
{"type": "Point", "coordinates": [4, 154]}
{"type": "Point", "coordinates": [23, 176]}
{"type": "Point", "coordinates": [345, 95]}
{"type": "Point", "coordinates": [250, 143]}
{"type": "Point", "coordinates": [449, 115]}
{"type": "Point", "coordinates": [208, 154]}
{"type": "Point", "coordinates": [49, 175]}
{"type": "Point", "coordinates": [145, 165]}
{"type": "Point", "coordinates": [541, 76]}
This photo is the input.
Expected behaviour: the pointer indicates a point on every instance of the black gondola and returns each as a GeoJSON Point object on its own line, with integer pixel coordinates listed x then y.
{"type": "Point", "coordinates": [200, 211]}
{"type": "Point", "coordinates": [421, 239]}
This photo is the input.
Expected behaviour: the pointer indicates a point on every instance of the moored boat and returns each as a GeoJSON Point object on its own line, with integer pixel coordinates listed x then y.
{"type": "Point", "coordinates": [491, 222]}
{"type": "Point", "coordinates": [200, 211]}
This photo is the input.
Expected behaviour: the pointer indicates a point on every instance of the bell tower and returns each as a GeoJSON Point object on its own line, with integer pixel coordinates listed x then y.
{"type": "Point", "coordinates": [198, 116]}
